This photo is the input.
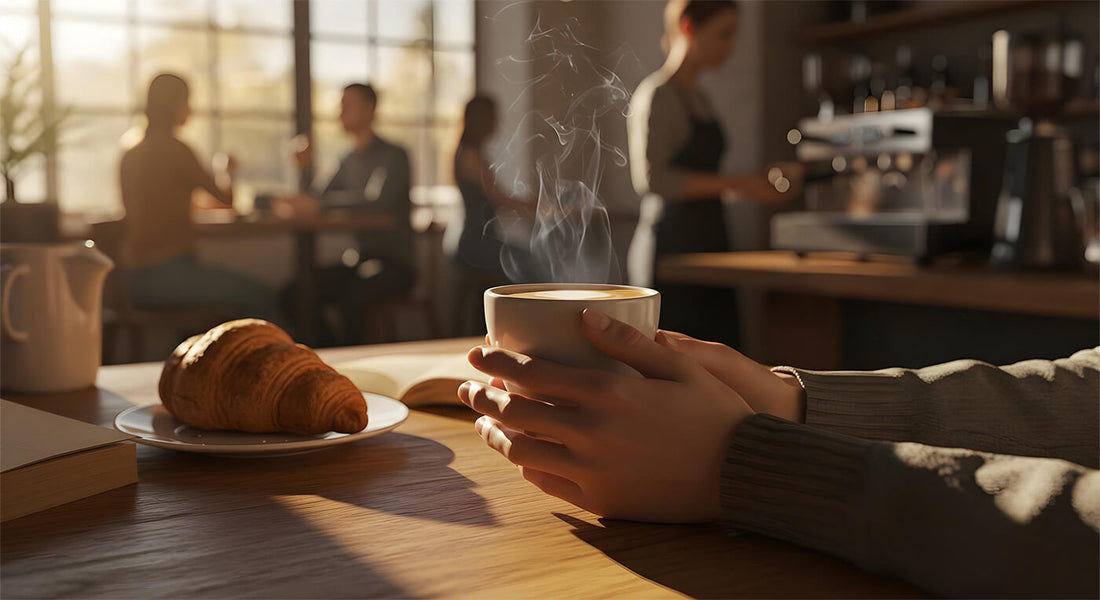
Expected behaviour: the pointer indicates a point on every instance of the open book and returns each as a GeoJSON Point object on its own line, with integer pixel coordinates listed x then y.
{"type": "Point", "coordinates": [415, 379]}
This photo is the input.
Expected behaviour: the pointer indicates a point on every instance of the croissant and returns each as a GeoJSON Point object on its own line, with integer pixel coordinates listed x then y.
{"type": "Point", "coordinates": [249, 375]}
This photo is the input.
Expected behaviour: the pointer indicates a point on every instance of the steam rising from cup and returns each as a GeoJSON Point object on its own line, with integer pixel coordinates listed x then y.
{"type": "Point", "coordinates": [570, 239]}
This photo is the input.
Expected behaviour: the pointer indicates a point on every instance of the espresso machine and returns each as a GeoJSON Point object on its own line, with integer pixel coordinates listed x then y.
{"type": "Point", "coordinates": [915, 183]}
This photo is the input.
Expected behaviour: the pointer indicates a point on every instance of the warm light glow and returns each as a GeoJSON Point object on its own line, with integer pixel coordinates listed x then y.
{"type": "Point", "coordinates": [794, 136]}
{"type": "Point", "coordinates": [1000, 67]}
{"type": "Point", "coordinates": [839, 164]}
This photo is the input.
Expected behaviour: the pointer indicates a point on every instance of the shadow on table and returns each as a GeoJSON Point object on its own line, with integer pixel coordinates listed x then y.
{"type": "Point", "coordinates": [707, 561]}
{"type": "Point", "coordinates": [397, 473]}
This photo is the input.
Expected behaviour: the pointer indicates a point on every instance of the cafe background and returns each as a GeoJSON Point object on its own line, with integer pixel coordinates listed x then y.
{"type": "Point", "coordinates": [262, 72]}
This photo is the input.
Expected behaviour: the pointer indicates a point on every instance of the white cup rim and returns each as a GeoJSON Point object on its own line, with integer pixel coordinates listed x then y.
{"type": "Point", "coordinates": [509, 291]}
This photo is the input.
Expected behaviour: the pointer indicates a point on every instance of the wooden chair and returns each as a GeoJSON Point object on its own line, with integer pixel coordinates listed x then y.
{"type": "Point", "coordinates": [421, 299]}
{"type": "Point", "coordinates": [122, 319]}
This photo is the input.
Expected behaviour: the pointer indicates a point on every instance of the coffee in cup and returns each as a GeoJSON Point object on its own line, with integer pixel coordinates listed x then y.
{"type": "Point", "coordinates": [544, 319]}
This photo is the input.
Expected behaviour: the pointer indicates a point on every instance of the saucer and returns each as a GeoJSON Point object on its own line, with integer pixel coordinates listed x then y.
{"type": "Point", "coordinates": [155, 426]}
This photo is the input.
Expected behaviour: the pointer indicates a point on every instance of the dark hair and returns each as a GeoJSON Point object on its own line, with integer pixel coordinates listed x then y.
{"type": "Point", "coordinates": [478, 120]}
{"type": "Point", "coordinates": [701, 11]}
{"type": "Point", "coordinates": [167, 93]}
{"type": "Point", "coordinates": [365, 91]}
{"type": "Point", "coordinates": [697, 11]}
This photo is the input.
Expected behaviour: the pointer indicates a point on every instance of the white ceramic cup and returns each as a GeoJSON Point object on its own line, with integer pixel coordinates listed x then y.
{"type": "Point", "coordinates": [550, 328]}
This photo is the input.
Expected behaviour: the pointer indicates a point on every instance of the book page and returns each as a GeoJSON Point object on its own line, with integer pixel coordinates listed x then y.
{"type": "Point", "coordinates": [29, 435]}
{"type": "Point", "coordinates": [412, 378]}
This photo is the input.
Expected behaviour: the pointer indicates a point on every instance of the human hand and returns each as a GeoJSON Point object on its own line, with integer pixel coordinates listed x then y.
{"type": "Point", "coordinates": [299, 206]}
{"type": "Point", "coordinates": [303, 151]}
{"type": "Point", "coordinates": [778, 394]}
{"type": "Point", "coordinates": [648, 449]}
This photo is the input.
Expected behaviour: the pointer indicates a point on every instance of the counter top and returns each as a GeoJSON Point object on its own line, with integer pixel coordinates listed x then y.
{"type": "Point", "coordinates": [980, 287]}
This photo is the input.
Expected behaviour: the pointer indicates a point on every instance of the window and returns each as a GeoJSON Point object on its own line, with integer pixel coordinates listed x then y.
{"type": "Point", "coordinates": [419, 55]}
{"type": "Point", "coordinates": [238, 56]}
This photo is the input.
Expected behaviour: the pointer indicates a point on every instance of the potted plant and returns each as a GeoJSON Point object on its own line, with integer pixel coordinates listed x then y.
{"type": "Point", "coordinates": [28, 127]}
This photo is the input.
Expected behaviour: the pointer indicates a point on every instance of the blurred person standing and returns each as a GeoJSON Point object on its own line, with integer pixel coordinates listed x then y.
{"type": "Point", "coordinates": [676, 147]}
{"type": "Point", "coordinates": [373, 177]}
{"type": "Point", "coordinates": [480, 243]}
{"type": "Point", "coordinates": [158, 176]}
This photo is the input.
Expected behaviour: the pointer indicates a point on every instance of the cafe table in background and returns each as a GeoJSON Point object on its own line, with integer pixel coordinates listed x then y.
{"type": "Point", "coordinates": [305, 231]}
{"type": "Point", "coordinates": [425, 510]}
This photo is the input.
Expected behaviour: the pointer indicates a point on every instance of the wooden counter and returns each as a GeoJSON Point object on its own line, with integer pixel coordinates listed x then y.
{"type": "Point", "coordinates": [803, 294]}
{"type": "Point", "coordinates": [977, 287]}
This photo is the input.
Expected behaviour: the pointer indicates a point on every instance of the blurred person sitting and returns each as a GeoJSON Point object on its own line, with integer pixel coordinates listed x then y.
{"type": "Point", "coordinates": [158, 176]}
{"type": "Point", "coordinates": [373, 177]}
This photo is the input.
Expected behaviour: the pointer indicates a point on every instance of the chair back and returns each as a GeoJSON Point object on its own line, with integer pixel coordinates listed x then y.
{"type": "Point", "coordinates": [110, 237]}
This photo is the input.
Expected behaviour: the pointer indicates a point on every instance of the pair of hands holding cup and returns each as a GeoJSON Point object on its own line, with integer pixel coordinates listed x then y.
{"type": "Point", "coordinates": [647, 449]}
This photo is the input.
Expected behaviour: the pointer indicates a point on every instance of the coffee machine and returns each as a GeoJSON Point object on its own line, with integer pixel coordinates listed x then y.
{"type": "Point", "coordinates": [915, 183]}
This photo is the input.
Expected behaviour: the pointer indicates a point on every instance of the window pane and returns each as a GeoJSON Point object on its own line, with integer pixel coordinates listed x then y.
{"type": "Point", "coordinates": [18, 33]}
{"type": "Point", "coordinates": [184, 52]}
{"type": "Point", "coordinates": [404, 20]}
{"type": "Point", "coordinates": [454, 22]}
{"type": "Point", "coordinates": [89, 7]}
{"type": "Point", "coordinates": [90, 62]}
{"type": "Point", "coordinates": [454, 83]}
{"type": "Point", "coordinates": [256, 72]}
{"type": "Point", "coordinates": [263, 149]}
{"type": "Point", "coordinates": [174, 11]}
{"type": "Point", "coordinates": [22, 5]}
{"type": "Point", "coordinates": [338, 17]}
{"type": "Point", "coordinates": [88, 164]}
{"type": "Point", "coordinates": [334, 66]}
{"type": "Point", "coordinates": [415, 141]}
{"type": "Point", "coordinates": [330, 146]}
{"type": "Point", "coordinates": [254, 14]}
{"type": "Point", "coordinates": [405, 83]}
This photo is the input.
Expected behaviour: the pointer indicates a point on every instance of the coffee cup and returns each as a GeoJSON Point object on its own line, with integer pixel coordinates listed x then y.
{"type": "Point", "coordinates": [544, 319]}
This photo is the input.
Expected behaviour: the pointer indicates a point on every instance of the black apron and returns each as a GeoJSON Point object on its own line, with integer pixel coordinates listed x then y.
{"type": "Point", "coordinates": [696, 226]}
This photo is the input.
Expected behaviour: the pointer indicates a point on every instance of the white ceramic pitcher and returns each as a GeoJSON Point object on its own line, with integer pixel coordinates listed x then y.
{"type": "Point", "coordinates": [51, 315]}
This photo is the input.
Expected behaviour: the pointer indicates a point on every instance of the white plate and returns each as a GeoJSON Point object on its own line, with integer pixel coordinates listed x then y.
{"type": "Point", "coordinates": [154, 425]}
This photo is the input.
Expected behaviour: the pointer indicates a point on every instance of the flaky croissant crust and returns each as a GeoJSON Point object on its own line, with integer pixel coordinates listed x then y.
{"type": "Point", "coordinates": [249, 375]}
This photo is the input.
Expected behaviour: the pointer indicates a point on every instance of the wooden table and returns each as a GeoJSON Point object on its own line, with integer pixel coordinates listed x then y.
{"type": "Point", "coordinates": [426, 510]}
{"type": "Point", "coordinates": [803, 293]}
{"type": "Point", "coordinates": [305, 232]}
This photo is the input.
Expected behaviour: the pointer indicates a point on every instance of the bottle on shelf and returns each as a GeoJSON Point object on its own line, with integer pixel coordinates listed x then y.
{"type": "Point", "coordinates": [859, 71]}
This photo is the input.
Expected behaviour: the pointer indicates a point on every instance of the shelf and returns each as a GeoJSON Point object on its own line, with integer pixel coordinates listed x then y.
{"type": "Point", "coordinates": [948, 11]}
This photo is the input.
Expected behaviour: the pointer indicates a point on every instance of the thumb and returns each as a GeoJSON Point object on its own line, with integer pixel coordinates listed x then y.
{"type": "Point", "coordinates": [626, 344]}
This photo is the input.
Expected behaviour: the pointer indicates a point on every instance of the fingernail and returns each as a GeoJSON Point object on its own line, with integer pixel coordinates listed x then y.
{"type": "Point", "coordinates": [478, 426]}
{"type": "Point", "coordinates": [667, 340]}
{"type": "Point", "coordinates": [596, 319]}
{"type": "Point", "coordinates": [464, 391]}
{"type": "Point", "coordinates": [485, 351]}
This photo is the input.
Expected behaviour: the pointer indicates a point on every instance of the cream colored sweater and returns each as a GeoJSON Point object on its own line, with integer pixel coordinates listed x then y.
{"type": "Point", "coordinates": [965, 479]}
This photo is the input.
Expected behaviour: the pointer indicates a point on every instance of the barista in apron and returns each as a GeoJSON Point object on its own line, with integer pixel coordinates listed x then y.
{"type": "Point", "coordinates": [697, 225]}
{"type": "Point", "coordinates": [676, 148]}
